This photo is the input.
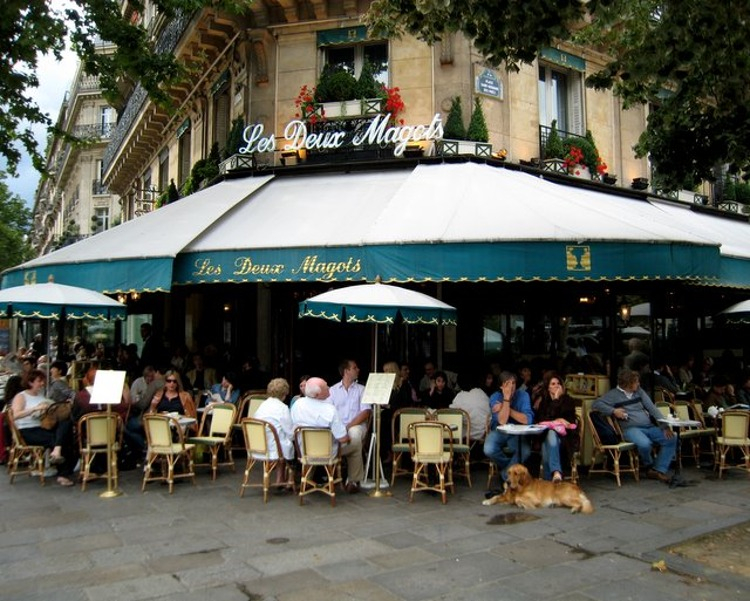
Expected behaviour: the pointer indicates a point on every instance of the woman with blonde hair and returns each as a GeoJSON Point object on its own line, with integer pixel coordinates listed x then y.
{"type": "Point", "coordinates": [172, 398]}
{"type": "Point", "coordinates": [275, 411]}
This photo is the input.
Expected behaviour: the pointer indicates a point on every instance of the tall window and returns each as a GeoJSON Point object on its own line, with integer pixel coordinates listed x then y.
{"type": "Point", "coordinates": [349, 49]}
{"type": "Point", "coordinates": [561, 98]}
{"type": "Point", "coordinates": [183, 152]}
{"type": "Point", "coordinates": [353, 57]}
{"type": "Point", "coordinates": [164, 170]}
{"type": "Point", "coordinates": [102, 219]}
{"type": "Point", "coordinates": [221, 118]}
{"type": "Point", "coordinates": [106, 120]}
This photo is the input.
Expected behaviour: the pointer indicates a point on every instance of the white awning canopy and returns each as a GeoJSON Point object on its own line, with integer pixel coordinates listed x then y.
{"type": "Point", "coordinates": [436, 221]}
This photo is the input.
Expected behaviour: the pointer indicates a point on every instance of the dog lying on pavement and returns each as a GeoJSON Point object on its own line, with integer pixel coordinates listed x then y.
{"type": "Point", "coordinates": [529, 493]}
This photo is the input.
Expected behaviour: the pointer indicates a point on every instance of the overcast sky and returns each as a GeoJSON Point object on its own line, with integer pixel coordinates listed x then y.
{"type": "Point", "coordinates": [55, 79]}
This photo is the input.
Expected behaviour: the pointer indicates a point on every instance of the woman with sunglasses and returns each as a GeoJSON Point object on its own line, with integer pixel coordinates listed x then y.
{"type": "Point", "coordinates": [172, 398]}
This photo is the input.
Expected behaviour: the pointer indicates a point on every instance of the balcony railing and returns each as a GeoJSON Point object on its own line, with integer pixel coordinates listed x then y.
{"type": "Point", "coordinates": [145, 201]}
{"type": "Point", "coordinates": [98, 187]}
{"type": "Point", "coordinates": [166, 44]}
{"type": "Point", "coordinates": [100, 131]}
{"type": "Point", "coordinates": [544, 133]}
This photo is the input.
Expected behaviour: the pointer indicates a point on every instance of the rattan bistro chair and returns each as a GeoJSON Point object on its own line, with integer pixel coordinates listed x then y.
{"type": "Point", "coordinates": [734, 435]}
{"type": "Point", "coordinates": [459, 422]}
{"type": "Point", "coordinates": [263, 446]}
{"type": "Point", "coordinates": [427, 442]}
{"type": "Point", "coordinates": [215, 434]}
{"type": "Point", "coordinates": [693, 435]}
{"type": "Point", "coordinates": [160, 430]}
{"type": "Point", "coordinates": [402, 419]}
{"type": "Point", "coordinates": [23, 458]}
{"type": "Point", "coordinates": [315, 448]}
{"type": "Point", "coordinates": [614, 452]}
{"type": "Point", "coordinates": [96, 432]}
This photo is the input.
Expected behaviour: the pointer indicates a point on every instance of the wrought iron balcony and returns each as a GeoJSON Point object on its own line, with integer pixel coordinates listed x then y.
{"type": "Point", "coordinates": [98, 188]}
{"type": "Point", "coordinates": [94, 131]}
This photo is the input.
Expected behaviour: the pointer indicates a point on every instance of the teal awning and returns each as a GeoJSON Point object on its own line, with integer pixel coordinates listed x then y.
{"type": "Point", "coordinates": [455, 262]}
{"type": "Point", "coordinates": [138, 255]}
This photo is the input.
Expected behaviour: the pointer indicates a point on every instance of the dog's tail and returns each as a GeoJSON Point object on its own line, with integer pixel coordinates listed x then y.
{"type": "Point", "coordinates": [586, 505]}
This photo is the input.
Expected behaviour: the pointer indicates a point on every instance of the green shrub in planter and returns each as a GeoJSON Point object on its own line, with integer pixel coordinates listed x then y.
{"type": "Point", "coordinates": [553, 149]}
{"type": "Point", "coordinates": [367, 86]}
{"type": "Point", "coordinates": [477, 131]}
{"type": "Point", "coordinates": [335, 85]}
{"type": "Point", "coordinates": [454, 125]}
{"type": "Point", "coordinates": [235, 139]}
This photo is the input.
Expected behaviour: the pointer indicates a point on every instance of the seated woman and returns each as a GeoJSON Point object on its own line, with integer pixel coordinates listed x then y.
{"type": "Point", "coordinates": [172, 398]}
{"type": "Point", "coordinates": [439, 395]}
{"type": "Point", "coordinates": [59, 390]}
{"type": "Point", "coordinates": [275, 412]}
{"type": "Point", "coordinates": [557, 410]}
{"type": "Point", "coordinates": [28, 407]}
{"type": "Point", "coordinates": [227, 391]}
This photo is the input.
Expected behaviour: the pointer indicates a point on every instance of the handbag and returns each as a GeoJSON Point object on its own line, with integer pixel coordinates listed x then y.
{"type": "Point", "coordinates": [55, 413]}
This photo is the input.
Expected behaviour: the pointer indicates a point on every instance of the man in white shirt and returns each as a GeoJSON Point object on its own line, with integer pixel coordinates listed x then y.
{"type": "Point", "coordinates": [139, 386]}
{"type": "Point", "coordinates": [477, 404]}
{"type": "Point", "coordinates": [313, 410]}
{"type": "Point", "coordinates": [346, 397]}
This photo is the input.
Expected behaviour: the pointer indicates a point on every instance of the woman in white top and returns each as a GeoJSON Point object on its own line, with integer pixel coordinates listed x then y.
{"type": "Point", "coordinates": [28, 407]}
{"type": "Point", "coordinates": [275, 412]}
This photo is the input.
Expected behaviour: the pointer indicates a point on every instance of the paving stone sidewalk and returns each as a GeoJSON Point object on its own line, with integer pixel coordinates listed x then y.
{"type": "Point", "coordinates": [204, 543]}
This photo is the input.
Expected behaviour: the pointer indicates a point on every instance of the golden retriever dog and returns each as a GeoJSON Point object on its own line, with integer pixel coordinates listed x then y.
{"type": "Point", "coordinates": [527, 492]}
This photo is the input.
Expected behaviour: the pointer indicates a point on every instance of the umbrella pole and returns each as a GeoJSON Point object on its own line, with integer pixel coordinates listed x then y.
{"type": "Point", "coordinates": [111, 491]}
{"type": "Point", "coordinates": [377, 464]}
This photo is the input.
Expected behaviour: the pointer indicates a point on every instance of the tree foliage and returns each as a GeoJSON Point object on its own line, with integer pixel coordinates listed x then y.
{"type": "Point", "coordinates": [689, 60]}
{"type": "Point", "coordinates": [32, 28]}
{"type": "Point", "coordinates": [15, 223]}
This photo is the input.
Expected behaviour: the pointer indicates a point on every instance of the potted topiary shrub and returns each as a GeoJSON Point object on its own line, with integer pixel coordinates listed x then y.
{"type": "Point", "coordinates": [477, 131]}
{"type": "Point", "coordinates": [457, 140]}
{"type": "Point", "coordinates": [554, 152]}
{"type": "Point", "coordinates": [338, 92]}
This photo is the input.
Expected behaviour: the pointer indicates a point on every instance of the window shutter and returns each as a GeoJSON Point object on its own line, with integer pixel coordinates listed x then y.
{"type": "Point", "coordinates": [221, 120]}
{"type": "Point", "coordinates": [575, 101]}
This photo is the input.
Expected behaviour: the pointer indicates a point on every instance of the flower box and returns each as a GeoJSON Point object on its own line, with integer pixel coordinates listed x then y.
{"type": "Point", "coordinates": [458, 147]}
{"type": "Point", "coordinates": [555, 166]}
{"type": "Point", "coordinates": [581, 171]}
{"type": "Point", "coordinates": [351, 108]}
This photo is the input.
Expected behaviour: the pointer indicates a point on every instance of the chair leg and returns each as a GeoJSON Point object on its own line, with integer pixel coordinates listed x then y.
{"type": "Point", "coordinates": [616, 461]}
{"type": "Point", "coordinates": [266, 480]}
{"type": "Point", "coordinates": [246, 479]}
{"type": "Point", "coordinates": [85, 471]}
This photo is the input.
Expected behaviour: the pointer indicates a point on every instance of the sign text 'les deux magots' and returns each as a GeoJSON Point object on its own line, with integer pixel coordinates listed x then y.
{"type": "Point", "coordinates": [309, 266]}
{"type": "Point", "coordinates": [378, 132]}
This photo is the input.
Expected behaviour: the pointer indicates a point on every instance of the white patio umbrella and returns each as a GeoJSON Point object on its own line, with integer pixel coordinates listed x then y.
{"type": "Point", "coordinates": [377, 303]}
{"type": "Point", "coordinates": [737, 314]}
{"type": "Point", "coordinates": [59, 302]}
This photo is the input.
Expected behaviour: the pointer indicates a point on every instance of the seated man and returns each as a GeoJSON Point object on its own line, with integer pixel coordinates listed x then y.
{"type": "Point", "coordinates": [637, 416]}
{"type": "Point", "coordinates": [314, 411]}
{"type": "Point", "coordinates": [346, 397]}
{"type": "Point", "coordinates": [477, 404]}
{"type": "Point", "coordinates": [513, 406]}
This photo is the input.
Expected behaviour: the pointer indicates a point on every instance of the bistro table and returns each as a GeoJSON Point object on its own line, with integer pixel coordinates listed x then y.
{"type": "Point", "coordinates": [676, 425]}
{"type": "Point", "coordinates": [522, 430]}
